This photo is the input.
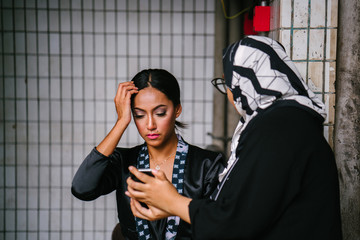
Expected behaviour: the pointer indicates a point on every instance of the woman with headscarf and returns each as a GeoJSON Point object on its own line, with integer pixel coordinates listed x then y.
{"type": "Point", "coordinates": [281, 179]}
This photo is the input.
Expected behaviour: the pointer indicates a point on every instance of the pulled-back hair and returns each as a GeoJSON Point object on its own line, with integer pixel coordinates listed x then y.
{"type": "Point", "coordinates": [163, 81]}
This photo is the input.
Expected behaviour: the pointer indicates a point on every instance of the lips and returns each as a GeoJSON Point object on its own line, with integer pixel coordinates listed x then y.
{"type": "Point", "coordinates": [153, 136]}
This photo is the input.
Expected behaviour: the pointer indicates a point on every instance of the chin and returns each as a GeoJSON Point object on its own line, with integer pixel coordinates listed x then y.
{"type": "Point", "coordinates": [154, 142]}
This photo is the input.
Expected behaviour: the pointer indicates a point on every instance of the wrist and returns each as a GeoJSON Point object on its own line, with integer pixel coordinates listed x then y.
{"type": "Point", "coordinates": [180, 207]}
{"type": "Point", "coordinates": [109, 143]}
{"type": "Point", "coordinates": [121, 123]}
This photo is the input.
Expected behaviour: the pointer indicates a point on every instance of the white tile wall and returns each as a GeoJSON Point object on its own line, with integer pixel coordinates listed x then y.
{"type": "Point", "coordinates": [308, 30]}
{"type": "Point", "coordinates": [31, 40]}
{"type": "Point", "coordinates": [330, 74]}
{"type": "Point", "coordinates": [317, 17]}
{"type": "Point", "coordinates": [315, 77]}
{"type": "Point", "coordinates": [44, 220]}
{"type": "Point", "coordinates": [300, 44]}
{"type": "Point", "coordinates": [20, 110]}
{"type": "Point", "coordinates": [331, 44]}
{"type": "Point", "coordinates": [57, 103]}
{"type": "Point", "coordinates": [2, 217]}
{"type": "Point", "coordinates": [188, 23]}
{"type": "Point", "coordinates": [301, 12]}
{"type": "Point", "coordinates": [316, 44]}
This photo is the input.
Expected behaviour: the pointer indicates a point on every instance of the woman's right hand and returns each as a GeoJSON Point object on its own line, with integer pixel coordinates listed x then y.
{"type": "Point", "coordinates": [122, 101]}
{"type": "Point", "coordinates": [159, 194]}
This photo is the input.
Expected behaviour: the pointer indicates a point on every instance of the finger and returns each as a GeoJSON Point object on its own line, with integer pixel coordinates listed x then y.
{"type": "Point", "coordinates": [134, 210]}
{"type": "Point", "coordinates": [133, 186]}
{"type": "Point", "coordinates": [121, 86]}
{"type": "Point", "coordinates": [137, 209]}
{"type": "Point", "coordinates": [130, 88]}
{"type": "Point", "coordinates": [133, 190]}
{"type": "Point", "coordinates": [159, 174]}
{"type": "Point", "coordinates": [125, 87]}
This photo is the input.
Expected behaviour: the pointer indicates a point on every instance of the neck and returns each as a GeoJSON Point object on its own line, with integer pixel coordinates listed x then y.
{"type": "Point", "coordinates": [164, 151]}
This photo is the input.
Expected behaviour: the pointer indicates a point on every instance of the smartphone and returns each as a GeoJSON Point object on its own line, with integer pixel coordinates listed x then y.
{"type": "Point", "coordinates": [143, 170]}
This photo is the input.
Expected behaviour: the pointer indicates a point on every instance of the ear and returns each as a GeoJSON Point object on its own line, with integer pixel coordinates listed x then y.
{"type": "Point", "coordinates": [178, 110]}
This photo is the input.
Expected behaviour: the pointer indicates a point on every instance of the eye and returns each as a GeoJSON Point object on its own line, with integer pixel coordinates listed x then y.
{"type": "Point", "coordinates": [138, 116]}
{"type": "Point", "coordinates": [161, 114]}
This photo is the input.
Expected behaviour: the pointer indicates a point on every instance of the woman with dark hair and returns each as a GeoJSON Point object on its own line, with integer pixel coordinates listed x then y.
{"type": "Point", "coordinates": [281, 179]}
{"type": "Point", "coordinates": [153, 98]}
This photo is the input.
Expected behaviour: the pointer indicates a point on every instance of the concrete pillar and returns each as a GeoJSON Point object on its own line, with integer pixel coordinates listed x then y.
{"type": "Point", "coordinates": [347, 116]}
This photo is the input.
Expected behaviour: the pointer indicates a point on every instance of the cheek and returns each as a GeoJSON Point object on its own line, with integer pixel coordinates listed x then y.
{"type": "Point", "coordinates": [140, 125]}
{"type": "Point", "coordinates": [165, 123]}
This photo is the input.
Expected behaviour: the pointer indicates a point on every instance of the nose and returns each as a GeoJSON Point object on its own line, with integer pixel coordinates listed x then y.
{"type": "Point", "coordinates": [151, 124]}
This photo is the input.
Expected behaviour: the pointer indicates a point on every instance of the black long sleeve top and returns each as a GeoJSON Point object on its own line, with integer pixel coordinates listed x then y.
{"type": "Point", "coordinates": [99, 175]}
{"type": "Point", "coordinates": [284, 185]}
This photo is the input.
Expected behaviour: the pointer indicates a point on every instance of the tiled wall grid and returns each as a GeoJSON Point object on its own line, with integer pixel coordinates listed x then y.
{"type": "Point", "coordinates": [308, 31]}
{"type": "Point", "coordinates": [60, 64]}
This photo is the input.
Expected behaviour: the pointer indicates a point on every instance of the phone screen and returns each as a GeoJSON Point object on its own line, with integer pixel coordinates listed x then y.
{"type": "Point", "coordinates": [143, 170]}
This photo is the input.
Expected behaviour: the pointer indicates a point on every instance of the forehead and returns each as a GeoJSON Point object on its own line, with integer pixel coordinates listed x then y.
{"type": "Point", "coordinates": [150, 97]}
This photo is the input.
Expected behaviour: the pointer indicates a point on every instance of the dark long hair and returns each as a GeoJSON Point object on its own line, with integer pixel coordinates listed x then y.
{"type": "Point", "coordinates": [163, 81]}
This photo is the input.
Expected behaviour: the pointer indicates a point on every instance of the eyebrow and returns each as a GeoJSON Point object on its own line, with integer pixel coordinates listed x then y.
{"type": "Point", "coordinates": [157, 107]}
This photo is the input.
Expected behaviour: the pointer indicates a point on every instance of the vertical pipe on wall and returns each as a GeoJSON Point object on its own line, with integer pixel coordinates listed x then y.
{"type": "Point", "coordinates": [227, 31]}
{"type": "Point", "coordinates": [219, 101]}
{"type": "Point", "coordinates": [347, 124]}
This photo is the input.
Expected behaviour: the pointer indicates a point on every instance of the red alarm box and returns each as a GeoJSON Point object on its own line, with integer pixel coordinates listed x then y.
{"type": "Point", "coordinates": [262, 18]}
{"type": "Point", "coordinates": [248, 25]}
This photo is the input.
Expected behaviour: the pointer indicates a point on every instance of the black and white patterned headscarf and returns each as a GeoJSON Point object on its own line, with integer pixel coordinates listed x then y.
{"type": "Point", "coordinates": [258, 72]}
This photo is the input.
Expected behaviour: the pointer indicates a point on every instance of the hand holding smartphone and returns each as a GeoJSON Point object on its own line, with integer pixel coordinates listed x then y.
{"type": "Point", "coordinates": [146, 171]}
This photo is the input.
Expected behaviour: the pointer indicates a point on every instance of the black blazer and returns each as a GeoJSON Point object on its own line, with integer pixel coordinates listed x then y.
{"type": "Point", "coordinates": [99, 175]}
